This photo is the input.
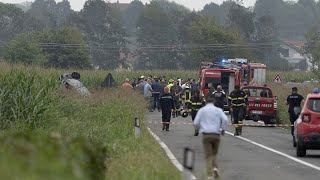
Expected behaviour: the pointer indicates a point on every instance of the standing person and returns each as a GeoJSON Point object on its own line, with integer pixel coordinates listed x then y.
{"type": "Point", "coordinates": [197, 102]}
{"type": "Point", "coordinates": [141, 85]}
{"type": "Point", "coordinates": [148, 94]}
{"type": "Point", "coordinates": [126, 85]}
{"type": "Point", "coordinates": [134, 83]}
{"type": "Point", "coordinates": [166, 104]}
{"type": "Point", "coordinates": [238, 101]}
{"type": "Point", "coordinates": [176, 90]}
{"type": "Point", "coordinates": [156, 93]}
{"type": "Point", "coordinates": [219, 96]}
{"type": "Point", "coordinates": [209, 120]}
{"type": "Point", "coordinates": [294, 101]}
{"type": "Point", "coordinates": [187, 98]}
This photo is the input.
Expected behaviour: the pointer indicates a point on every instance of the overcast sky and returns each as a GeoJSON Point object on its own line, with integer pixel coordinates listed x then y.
{"type": "Point", "coordinates": [191, 4]}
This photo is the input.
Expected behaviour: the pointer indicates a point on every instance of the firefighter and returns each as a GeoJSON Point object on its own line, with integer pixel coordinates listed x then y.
{"type": "Point", "coordinates": [187, 98]}
{"type": "Point", "coordinates": [197, 102]}
{"type": "Point", "coordinates": [238, 101]}
{"type": "Point", "coordinates": [176, 90]}
{"type": "Point", "coordinates": [166, 104]}
{"type": "Point", "coordinates": [219, 96]}
{"type": "Point", "coordinates": [170, 84]}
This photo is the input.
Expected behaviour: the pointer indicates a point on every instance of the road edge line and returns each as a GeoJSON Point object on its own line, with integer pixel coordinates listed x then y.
{"type": "Point", "coordinates": [277, 152]}
{"type": "Point", "coordinates": [170, 155]}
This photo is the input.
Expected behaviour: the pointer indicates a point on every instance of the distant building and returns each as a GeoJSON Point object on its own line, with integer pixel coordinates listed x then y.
{"type": "Point", "coordinates": [292, 51]}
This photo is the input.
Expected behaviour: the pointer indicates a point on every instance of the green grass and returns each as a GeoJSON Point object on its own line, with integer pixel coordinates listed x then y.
{"type": "Point", "coordinates": [61, 135]}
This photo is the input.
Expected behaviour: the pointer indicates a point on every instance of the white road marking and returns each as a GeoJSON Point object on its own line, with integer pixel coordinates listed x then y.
{"type": "Point", "coordinates": [277, 152]}
{"type": "Point", "coordinates": [168, 152]}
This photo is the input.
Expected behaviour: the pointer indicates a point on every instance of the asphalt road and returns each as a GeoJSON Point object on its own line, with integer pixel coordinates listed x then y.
{"type": "Point", "coordinates": [239, 159]}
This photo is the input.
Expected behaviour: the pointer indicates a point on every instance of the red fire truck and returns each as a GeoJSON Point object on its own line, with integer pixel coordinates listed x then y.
{"type": "Point", "coordinates": [229, 73]}
{"type": "Point", "coordinates": [250, 73]}
{"type": "Point", "coordinates": [217, 75]}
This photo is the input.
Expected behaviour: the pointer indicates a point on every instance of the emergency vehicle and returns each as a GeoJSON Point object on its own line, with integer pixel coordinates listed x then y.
{"type": "Point", "coordinates": [230, 72]}
{"type": "Point", "coordinates": [217, 75]}
{"type": "Point", "coordinates": [307, 126]}
{"type": "Point", "coordinates": [250, 73]}
{"type": "Point", "coordinates": [262, 105]}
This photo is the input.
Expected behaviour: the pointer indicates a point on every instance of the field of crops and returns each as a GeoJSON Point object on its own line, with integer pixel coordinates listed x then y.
{"type": "Point", "coordinates": [47, 133]}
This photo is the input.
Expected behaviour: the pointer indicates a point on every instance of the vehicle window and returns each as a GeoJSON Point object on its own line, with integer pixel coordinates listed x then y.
{"type": "Point", "coordinates": [254, 92]}
{"type": "Point", "coordinates": [215, 82]}
{"type": "Point", "coordinates": [314, 105]}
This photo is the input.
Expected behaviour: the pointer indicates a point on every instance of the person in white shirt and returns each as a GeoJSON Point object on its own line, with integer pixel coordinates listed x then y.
{"type": "Point", "coordinates": [211, 122]}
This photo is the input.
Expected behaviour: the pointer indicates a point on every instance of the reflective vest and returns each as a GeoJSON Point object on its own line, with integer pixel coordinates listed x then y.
{"type": "Point", "coordinates": [187, 95]}
{"type": "Point", "coordinates": [238, 98]}
{"type": "Point", "coordinates": [169, 86]}
{"type": "Point", "coordinates": [196, 103]}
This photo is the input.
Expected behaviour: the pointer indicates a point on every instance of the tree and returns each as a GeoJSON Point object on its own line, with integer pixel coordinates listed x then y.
{"type": "Point", "coordinates": [24, 49]}
{"type": "Point", "coordinates": [216, 11]}
{"type": "Point", "coordinates": [208, 32]}
{"type": "Point", "coordinates": [156, 33]}
{"type": "Point", "coordinates": [63, 11]}
{"type": "Point", "coordinates": [312, 46]}
{"type": "Point", "coordinates": [11, 20]}
{"type": "Point", "coordinates": [105, 33]}
{"type": "Point", "coordinates": [242, 19]}
{"type": "Point", "coordinates": [268, 51]}
{"type": "Point", "coordinates": [44, 11]}
{"type": "Point", "coordinates": [132, 14]}
{"type": "Point", "coordinates": [66, 49]}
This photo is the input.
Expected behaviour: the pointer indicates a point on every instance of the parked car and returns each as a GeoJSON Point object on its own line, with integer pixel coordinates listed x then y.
{"type": "Point", "coordinates": [307, 126]}
{"type": "Point", "coordinates": [262, 105]}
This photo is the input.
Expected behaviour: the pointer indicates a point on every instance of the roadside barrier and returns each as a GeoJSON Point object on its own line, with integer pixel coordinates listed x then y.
{"type": "Point", "coordinates": [137, 130]}
{"type": "Point", "coordinates": [245, 125]}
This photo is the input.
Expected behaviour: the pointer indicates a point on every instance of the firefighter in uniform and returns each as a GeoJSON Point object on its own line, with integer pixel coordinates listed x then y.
{"type": "Point", "coordinates": [188, 96]}
{"type": "Point", "coordinates": [238, 101]}
{"type": "Point", "coordinates": [219, 96]}
{"type": "Point", "coordinates": [176, 90]}
{"type": "Point", "coordinates": [197, 102]}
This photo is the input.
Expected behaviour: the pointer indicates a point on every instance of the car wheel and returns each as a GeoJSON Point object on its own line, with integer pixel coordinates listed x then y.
{"type": "Point", "coordinates": [301, 151]}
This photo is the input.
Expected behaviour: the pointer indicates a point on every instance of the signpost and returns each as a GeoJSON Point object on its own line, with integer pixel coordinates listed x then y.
{"type": "Point", "coordinates": [277, 79]}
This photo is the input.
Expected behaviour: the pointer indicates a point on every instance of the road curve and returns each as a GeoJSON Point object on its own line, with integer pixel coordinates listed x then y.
{"type": "Point", "coordinates": [239, 159]}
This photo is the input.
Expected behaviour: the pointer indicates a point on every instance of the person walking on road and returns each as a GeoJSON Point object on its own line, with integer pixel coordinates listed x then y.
{"type": "Point", "coordinates": [219, 96]}
{"type": "Point", "coordinates": [294, 101]}
{"type": "Point", "coordinates": [197, 102]}
{"type": "Point", "coordinates": [148, 94]}
{"type": "Point", "coordinates": [166, 105]}
{"type": "Point", "coordinates": [238, 100]}
{"type": "Point", "coordinates": [211, 122]}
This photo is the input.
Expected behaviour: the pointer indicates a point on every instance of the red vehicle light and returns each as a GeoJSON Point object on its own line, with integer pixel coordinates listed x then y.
{"type": "Point", "coordinates": [306, 138]}
{"type": "Point", "coordinates": [306, 118]}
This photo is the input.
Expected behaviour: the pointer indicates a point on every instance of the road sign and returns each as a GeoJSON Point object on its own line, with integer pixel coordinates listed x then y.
{"type": "Point", "coordinates": [277, 79]}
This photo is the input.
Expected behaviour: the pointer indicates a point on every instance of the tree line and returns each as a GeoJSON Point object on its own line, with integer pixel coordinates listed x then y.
{"type": "Point", "coordinates": [157, 35]}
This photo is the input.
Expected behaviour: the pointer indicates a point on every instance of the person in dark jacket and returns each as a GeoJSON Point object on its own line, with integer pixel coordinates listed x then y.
{"type": "Point", "coordinates": [156, 94]}
{"type": "Point", "coordinates": [197, 102]}
{"type": "Point", "coordinates": [219, 96]}
{"type": "Point", "coordinates": [238, 101]}
{"type": "Point", "coordinates": [166, 104]}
